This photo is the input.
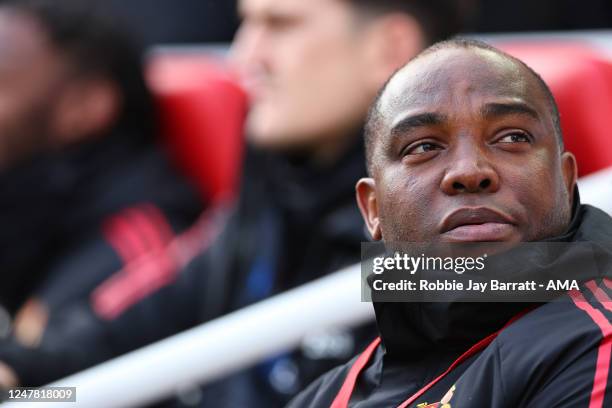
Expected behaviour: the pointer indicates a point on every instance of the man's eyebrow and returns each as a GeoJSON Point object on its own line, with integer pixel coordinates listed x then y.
{"type": "Point", "coordinates": [417, 121]}
{"type": "Point", "coordinates": [492, 110]}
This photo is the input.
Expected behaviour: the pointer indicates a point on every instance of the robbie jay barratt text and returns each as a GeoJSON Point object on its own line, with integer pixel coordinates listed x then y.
{"type": "Point", "coordinates": [454, 285]}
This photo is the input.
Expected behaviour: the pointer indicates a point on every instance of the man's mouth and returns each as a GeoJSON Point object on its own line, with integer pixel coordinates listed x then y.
{"type": "Point", "coordinates": [477, 224]}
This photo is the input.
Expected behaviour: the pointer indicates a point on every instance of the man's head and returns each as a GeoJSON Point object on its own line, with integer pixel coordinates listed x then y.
{"type": "Point", "coordinates": [313, 67]}
{"type": "Point", "coordinates": [464, 144]}
{"type": "Point", "coordinates": [66, 72]}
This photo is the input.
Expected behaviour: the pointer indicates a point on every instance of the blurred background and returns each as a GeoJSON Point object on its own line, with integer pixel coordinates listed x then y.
{"type": "Point", "coordinates": [164, 163]}
{"type": "Point", "coordinates": [216, 21]}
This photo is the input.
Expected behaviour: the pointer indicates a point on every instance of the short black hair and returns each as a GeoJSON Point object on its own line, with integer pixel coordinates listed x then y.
{"type": "Point", "coordinates": [373, 118]}
{"type": "Point", "coordinates": [439, 19]}
{"type": "Point", "coordinates": [95, 42]}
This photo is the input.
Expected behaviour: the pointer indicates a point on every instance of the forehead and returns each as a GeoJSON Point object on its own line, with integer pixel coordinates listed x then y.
{"type": "Point", "coordinates": [21, 39]}
{"type": "Point", "coordinates": [263, 8]}
{"type": "Point", "coordinates": [455, 79]}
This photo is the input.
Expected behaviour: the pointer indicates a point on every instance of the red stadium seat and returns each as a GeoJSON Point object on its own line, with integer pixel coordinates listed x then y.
{"type": "Point", "coordinates": [581, 81]}
{"type": "Point", "coordinates": [202, 111]}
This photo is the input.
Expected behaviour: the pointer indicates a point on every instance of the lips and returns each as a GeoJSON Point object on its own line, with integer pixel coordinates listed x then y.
{"type": "Point", "coordinates": [477, 224]}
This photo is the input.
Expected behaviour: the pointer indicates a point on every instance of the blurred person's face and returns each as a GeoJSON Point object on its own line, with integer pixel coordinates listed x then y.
{"type": "Point", "coordinates": [311, 69]}
{"type": "Point", "coordinates": [466, 151]}
{"type": "Point", "coordinates": [29, 79]}
{"type": "Point", "coordinates": [45, 103]}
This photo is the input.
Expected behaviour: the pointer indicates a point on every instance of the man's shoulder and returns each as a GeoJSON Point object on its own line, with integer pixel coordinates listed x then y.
{"type": "Point", "coordinates": [551, 353]}
{"type": "Point", "coordinates": [554, 337]}
{"type": "Point", "coordinates": [575, 318]}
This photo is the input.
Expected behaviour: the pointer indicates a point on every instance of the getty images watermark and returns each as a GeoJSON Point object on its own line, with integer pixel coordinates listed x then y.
{"type": "Point", "coordinates": [478, 272]}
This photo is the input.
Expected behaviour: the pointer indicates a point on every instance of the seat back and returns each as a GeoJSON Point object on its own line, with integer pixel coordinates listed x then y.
{"type": "Point", "coordinates": [202, 112]}
{"type": "Point", "coordinates": [581, 81]}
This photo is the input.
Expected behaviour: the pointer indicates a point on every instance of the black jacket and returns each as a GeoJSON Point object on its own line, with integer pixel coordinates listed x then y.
{"type": "Point", "coordinates": [293, 223]}
{"type": "Point", "coordinates": [554, 354]}
{"type": "Point", "coordinates": [62, 215]}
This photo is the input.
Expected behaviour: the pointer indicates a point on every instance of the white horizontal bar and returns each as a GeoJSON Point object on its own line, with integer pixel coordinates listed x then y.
{"type": "Point", "coordinates": [596, 189]}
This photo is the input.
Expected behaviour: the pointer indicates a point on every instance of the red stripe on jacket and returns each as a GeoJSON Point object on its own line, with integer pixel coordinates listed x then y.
{"type": "Point", "coordinates": [604, 353]}
{"type": "Point", "coordinates": [156, 268]}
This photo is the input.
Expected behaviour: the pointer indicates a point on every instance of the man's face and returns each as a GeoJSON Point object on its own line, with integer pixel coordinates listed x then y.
{"type": "Point", "coordinates": [301, 63]}
{"type": "Point", "coordinates": [29, 73]}
{"type": "Point", "coordinates": [466, 151]}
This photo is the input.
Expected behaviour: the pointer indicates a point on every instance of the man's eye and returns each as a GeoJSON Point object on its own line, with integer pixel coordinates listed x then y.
{"type": "Point", "coordinates": [514, 138]}
{"type": "Point", "coordinates": [282, 23]}
{"type": "Point", "coordinates": [422, 148]}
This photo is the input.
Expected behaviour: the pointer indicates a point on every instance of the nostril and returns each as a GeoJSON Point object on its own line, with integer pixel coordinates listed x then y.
{"type": "Point", "coordinates": [458, 186]}
{"type": "Point", "coordinates": [484, 184]}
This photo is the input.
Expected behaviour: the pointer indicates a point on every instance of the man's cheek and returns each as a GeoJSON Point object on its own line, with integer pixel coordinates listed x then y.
{"type": "Point", "coordinates": [402, 220]}
{"type": "Point", "coordinates": [537, 203]}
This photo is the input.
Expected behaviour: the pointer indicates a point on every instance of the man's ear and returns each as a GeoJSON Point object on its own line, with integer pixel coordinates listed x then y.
{"type": "Point", "coordinates": [392, 40]}
{"type": "Point", "coordinates": [368, 205]}
{"type": "Point", "coordinates": [85, 109]}
{"type": "Point", "coordinates": [570, 173]}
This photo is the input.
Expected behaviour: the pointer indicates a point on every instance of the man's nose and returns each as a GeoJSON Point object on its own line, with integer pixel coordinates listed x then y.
{"type": "Point", "coordinates": [470, 173]}
{"type": "Point", "coordinates": [248, 46]}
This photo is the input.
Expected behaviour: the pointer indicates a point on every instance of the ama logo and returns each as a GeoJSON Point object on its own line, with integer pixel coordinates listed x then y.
{"type": "Point", "coordinates": [562, 285]}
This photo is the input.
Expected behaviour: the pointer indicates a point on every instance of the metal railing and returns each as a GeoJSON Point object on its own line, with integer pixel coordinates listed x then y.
{"type": "Point", "coordinates": [596, 189]}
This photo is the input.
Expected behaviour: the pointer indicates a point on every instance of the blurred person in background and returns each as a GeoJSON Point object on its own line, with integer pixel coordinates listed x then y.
{"type": "Point", "coordinates": [312, 69]}
{"type": "Point", "coordinates": [81, 178]}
